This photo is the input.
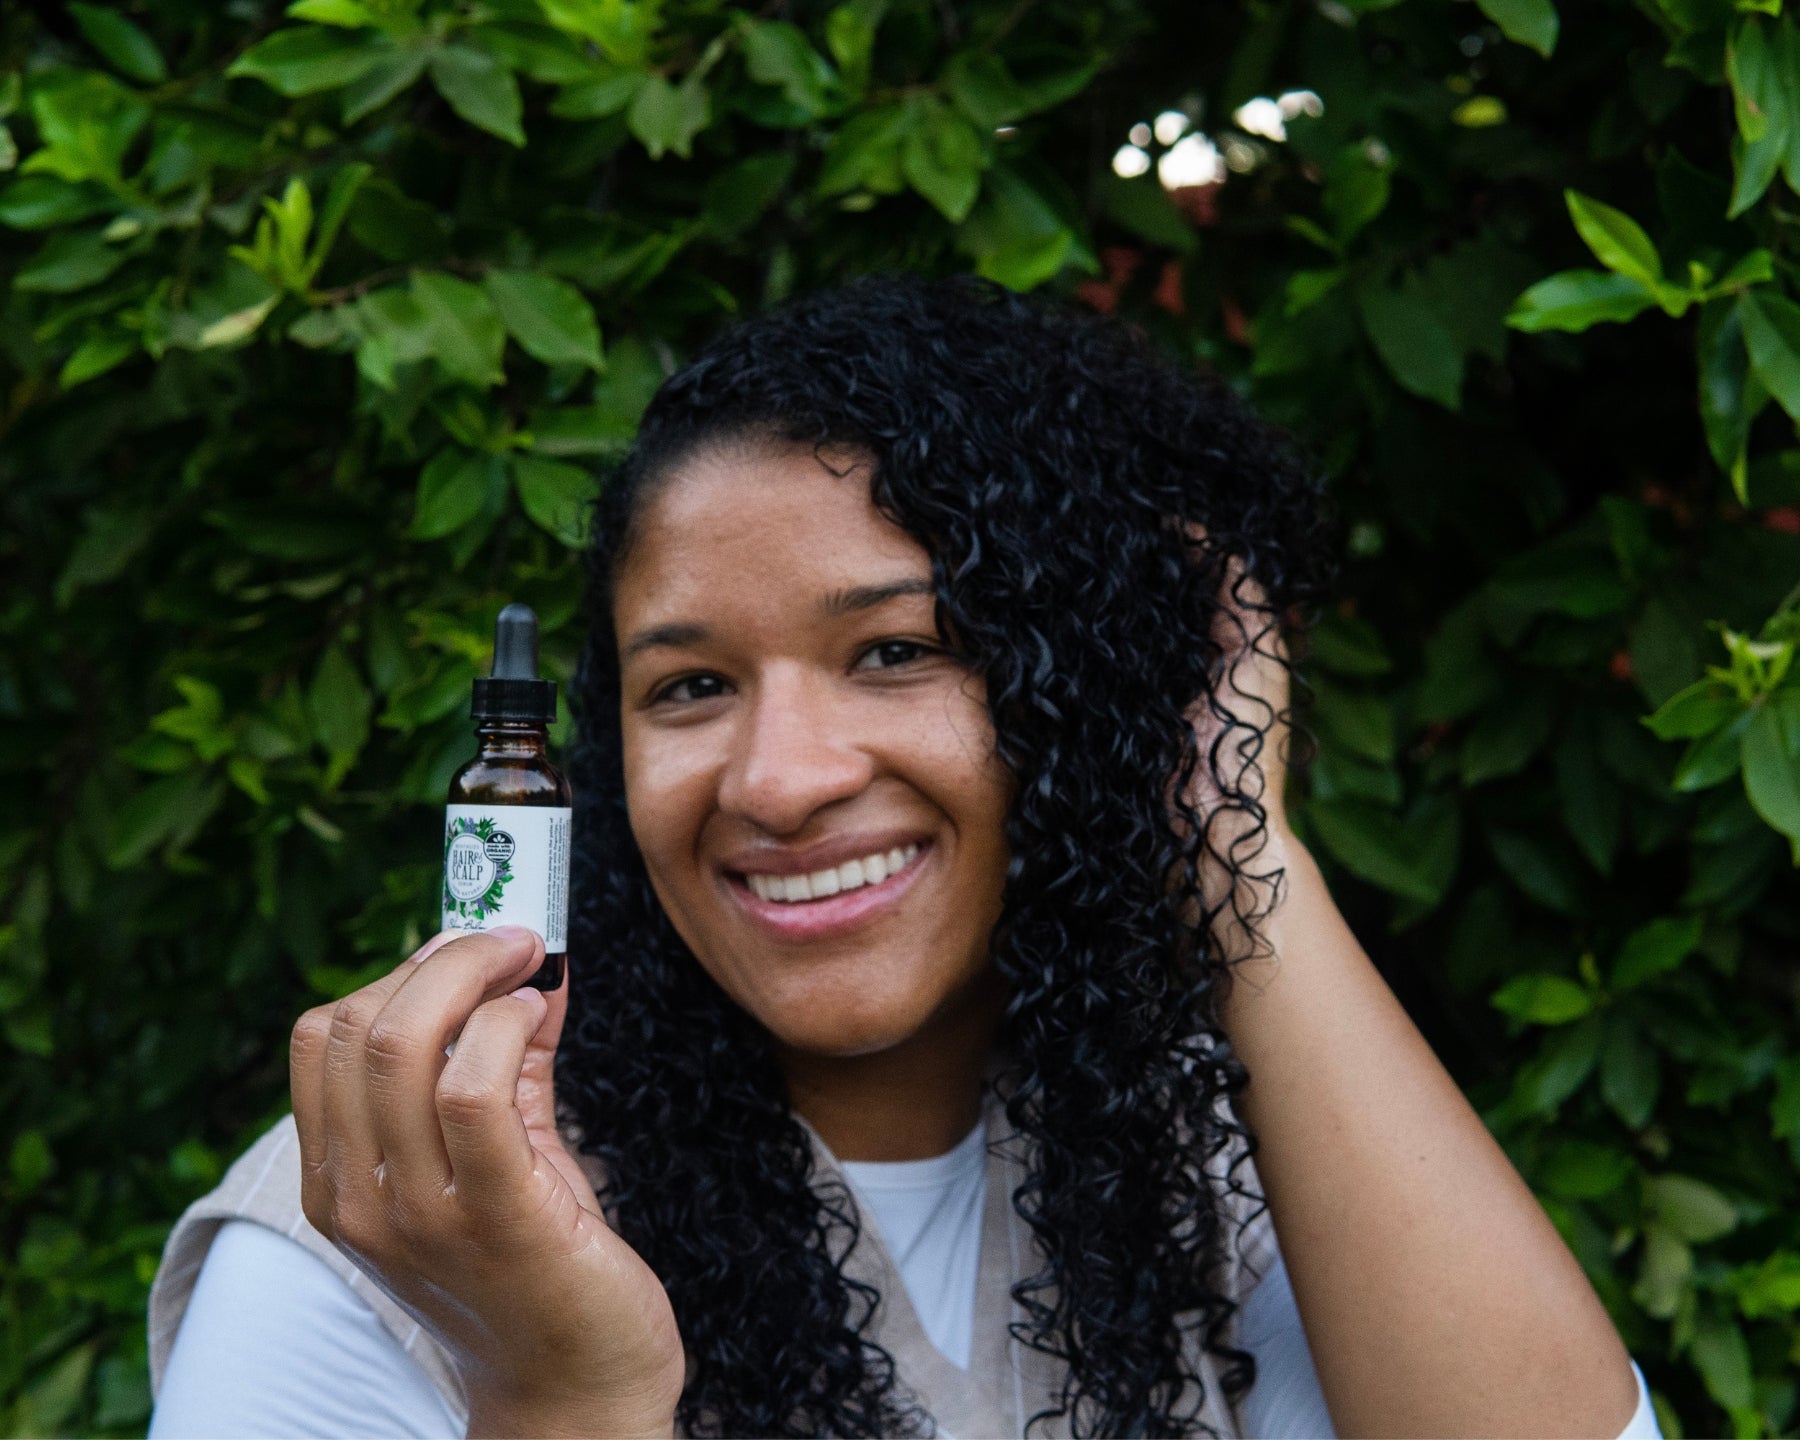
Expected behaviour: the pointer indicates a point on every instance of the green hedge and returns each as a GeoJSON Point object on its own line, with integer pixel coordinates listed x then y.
{"type": "Point", "coordinates": [318, 324]}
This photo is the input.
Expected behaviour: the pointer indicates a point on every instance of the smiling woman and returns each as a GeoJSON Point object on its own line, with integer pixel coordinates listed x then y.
{"type": "Point", "coordinates": [934, 910]}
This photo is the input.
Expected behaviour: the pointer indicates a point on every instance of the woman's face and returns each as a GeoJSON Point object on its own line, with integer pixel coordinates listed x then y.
{"type": "Point", "coordinates": [811, 778]}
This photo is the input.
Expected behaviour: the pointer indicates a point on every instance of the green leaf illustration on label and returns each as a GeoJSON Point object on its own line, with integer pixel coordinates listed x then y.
{"type": "Point", "coordinates": [477, 865]}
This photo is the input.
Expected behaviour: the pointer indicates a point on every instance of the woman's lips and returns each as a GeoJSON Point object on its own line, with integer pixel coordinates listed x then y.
{"type": "Point", "coordinates": [799, 920]}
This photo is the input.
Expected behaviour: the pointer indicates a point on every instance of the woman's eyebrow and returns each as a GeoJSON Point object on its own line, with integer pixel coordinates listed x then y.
{"type": "Point", "coordinates": [671, 636]}
{"type": "Point", "coordinates": [866, 597]}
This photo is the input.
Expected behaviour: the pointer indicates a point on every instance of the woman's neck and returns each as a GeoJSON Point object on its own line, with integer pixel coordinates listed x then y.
{"type": "Point", "coordinates": [909, 1102]}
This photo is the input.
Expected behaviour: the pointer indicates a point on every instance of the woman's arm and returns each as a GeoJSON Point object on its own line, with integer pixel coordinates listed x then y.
{"type": "Point", "coordinates": [1437, 1297]}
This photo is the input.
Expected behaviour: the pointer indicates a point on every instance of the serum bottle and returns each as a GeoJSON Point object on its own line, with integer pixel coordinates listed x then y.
{"type": "Point", "coordinates": [506, 823]}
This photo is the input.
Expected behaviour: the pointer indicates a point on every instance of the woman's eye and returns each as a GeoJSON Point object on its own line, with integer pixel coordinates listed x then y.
{"type": "Point", "coordinates": [689, 689]}
{"type": "Point", "coordinates": [890, 653]}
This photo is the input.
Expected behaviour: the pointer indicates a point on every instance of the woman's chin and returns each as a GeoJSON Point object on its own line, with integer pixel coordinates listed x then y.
{"type": "Point", "coordinates": [831, 1031]}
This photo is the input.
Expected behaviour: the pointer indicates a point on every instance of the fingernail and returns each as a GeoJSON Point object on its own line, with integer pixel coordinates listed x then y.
{"type": "Point", "coordinates": [515, 932]}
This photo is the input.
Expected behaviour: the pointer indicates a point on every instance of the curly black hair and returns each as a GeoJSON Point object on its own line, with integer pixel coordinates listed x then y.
{"type": "Point", "coordinates": [1055, 467]}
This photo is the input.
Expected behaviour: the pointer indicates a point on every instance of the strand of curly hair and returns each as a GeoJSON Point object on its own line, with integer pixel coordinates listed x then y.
{"type": "Point", "coordinates": [1049, 463]}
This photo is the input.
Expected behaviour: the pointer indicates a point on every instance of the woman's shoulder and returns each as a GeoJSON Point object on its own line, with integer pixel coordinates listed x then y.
{"type": "Point", "coordinates": [317, 1361]}
{"type": "Point", "coordinates": [263, 1187]}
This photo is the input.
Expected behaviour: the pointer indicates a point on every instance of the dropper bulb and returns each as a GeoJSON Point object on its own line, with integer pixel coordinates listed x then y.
{"type": "Point", "coordinates": [516, 643]}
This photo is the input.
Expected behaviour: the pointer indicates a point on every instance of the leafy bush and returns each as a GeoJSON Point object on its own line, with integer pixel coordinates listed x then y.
{"type": "Point", "coordinates": [304, 377]}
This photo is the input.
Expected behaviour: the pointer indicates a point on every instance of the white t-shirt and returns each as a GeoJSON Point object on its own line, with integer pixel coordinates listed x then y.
{"type": "Point", "coordinates": [275, 1344]}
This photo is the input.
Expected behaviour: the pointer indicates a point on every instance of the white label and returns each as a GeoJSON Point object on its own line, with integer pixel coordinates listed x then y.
{"type": "Point", "coordinates": [508, 865]}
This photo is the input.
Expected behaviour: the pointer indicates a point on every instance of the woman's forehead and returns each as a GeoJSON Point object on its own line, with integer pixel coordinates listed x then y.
{"type": "Point", "coordinates": [740, 499]}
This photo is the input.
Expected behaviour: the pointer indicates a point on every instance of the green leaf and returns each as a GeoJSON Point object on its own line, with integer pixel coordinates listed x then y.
{"type": "Point", "coordinates": [126, 47]}
{"type": "Point", "coordinates": [1655, 949]}
{"type": "Point", "coordinates": [865, 153]}
{"type": "Point", "coordinates": [1506, 735]}
{"type": "Point", "coordinates": [1772, 337]}
{"type": "Point", "coordinates": [1618, 242]}
{"type": "Point", "coordinates": [1770, 1288]}
{"type": "Point", "coordinates": [1784, 1109]}
{"type": "Point", "coordinates": [390, 76]}
{"type": "Point", "coordinates": [350, 14]}
{"type": "Point", "coordinates": [1144, 208]}
{"type": "Point", "coordinates": [236, 327]}
{"type": "Point", "coordinates": [481, 90]}
{"type": "Point", "coordinates": [97, 355]}
{"type": "Point", "coordinates": [467, 337]}
{"type": "Point", "coordinates": [1630, 1074]}
{"type": "Point", "coordinates": [1559, 1069]}
{"type": "Point", "coordinates": [1575, 299]}
{"type": "Point", "coordinates": [1360, 723]}
{"type": "Point", "coordinates": [984, 88]}
{"type": "Point", "coordinates": [1697, 710]}
{"type": "Point", "coordinates": [1348, 645]}
{"type": "Point", "coordinates": [1664, 1275]}
{"type": "Point", "coordinates": [779, 54]}
{"type": "Point", "coordinates": [30, 1162]}
{"type": "Point", "coordinates": [1356, 191]}
{"type": "Point", "coordinates": [67, 263]}
{"type": "Point", "coordinates": [1731, 396]}
{"type": "Point", "coordinates": [666, 117]}
{"type": "Point", "coordinates": [55, 1394]}
{"type": "Point", "coordinates": [555, 495]}
{"type": "Point", "coordinates": [942, 161]}
{"type": "Point", "coordinates": [1771, 759]}
{"type": "Point", "coordinates": [165, 811]}
{"type": "Point", "coordinates": [1591, 799]}
{"type": "Point", "coordinates": [1690, 1208]}
{"type": "Point", "coordinates": [1722, 1356]}
{"type": "Point", "coordinates": [1415, 345]}
{"type": "Point", "coordinates": [1541, 866]}
{"type": "Point", "coordinates": [1525, 22]}
{"type": "Point", "coordinates": [41, 202]}
{"type": "Point", "coordinates": [109, 542]}
{"type": "Point", "coordinates": [339, 705]}
{"type": "Point", "coordinates": [1714, 758]}
{"type": "Point", "coordinates": [850, 36]}
{"type": "Point", "coordinates": [1759, 68]}
{"type": "Point", "coordinates": [1017, 236]}
{"type": "Point", "coordinates": [88, 122]}
{"type": "Point", "coordinates": [454, 487]}
{"type": "Point", "coordinates": [1752, 65]}
{"type": "Point", "coordinates": [1413, 857]}
{"type": "Point", "coordinates": [1581, 1170]}
{"type": "Point", "coordinates": [739, 196]}
{"type": "Point", "coordinates": [393, 330]}
{"type": "Point", "coordinates": [1542, 999]}
{"type": "Point", "coordinates": [550, 318]}
{"type": "Point", "coordinates": [596, 98]}
{"type": "Point", "coordinates": [307, 59]}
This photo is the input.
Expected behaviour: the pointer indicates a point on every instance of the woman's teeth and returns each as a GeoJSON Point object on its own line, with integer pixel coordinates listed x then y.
{"type": "Point", "coordinates": [851, 875]}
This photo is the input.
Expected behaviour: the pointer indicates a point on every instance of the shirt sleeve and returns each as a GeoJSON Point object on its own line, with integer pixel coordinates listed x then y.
{"type": "Point", "coordinates": [1286, 1402]}
{"type": "Point", "coordinates": [274, 1343]}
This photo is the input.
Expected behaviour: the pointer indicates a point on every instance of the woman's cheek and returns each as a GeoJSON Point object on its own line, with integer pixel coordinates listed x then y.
{"type": "Point", "coordinates": [665, 786]}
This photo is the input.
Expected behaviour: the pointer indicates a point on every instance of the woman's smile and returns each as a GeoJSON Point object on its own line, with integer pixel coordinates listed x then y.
{"type": "Point", "coordinates": [811, 903]}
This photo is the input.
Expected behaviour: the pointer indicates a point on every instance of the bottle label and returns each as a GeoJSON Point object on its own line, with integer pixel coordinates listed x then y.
{"type": "Point", "coordinates": [508, 865]}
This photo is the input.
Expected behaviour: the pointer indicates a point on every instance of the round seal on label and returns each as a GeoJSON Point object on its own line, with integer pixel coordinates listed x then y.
{"type": "Point", "coordinates": [499, 847]}
{"type": "Point", "coordinates": [467, 869]}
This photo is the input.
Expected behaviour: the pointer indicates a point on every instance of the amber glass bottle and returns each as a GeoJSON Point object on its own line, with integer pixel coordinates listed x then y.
{"type": "Point", "coordinates": [507, 820]}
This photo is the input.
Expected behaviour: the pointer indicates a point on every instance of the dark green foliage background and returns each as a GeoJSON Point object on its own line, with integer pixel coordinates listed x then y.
{"type": "Point", "coordinates": [303, 378]}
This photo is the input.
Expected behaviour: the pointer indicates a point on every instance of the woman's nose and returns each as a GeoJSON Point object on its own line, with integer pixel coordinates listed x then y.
{"type": "Point", "coordinates": [792, 755]}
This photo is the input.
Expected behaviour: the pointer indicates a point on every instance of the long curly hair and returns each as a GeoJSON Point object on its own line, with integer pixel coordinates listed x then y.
{"type": "Point", "coordinates": [1053, 466]}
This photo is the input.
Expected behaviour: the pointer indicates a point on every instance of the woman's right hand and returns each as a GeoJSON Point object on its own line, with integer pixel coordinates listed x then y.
{"type": "Point", "coordinates": [447, 1181]}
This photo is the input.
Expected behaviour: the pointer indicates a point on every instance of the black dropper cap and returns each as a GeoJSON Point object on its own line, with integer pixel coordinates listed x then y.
{"type": "Point", "coordinates": [514, 691]}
